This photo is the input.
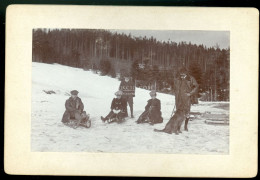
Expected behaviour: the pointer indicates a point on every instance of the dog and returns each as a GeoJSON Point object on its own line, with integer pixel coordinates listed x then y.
{"type": "Point", "coordinates": [174, 124]}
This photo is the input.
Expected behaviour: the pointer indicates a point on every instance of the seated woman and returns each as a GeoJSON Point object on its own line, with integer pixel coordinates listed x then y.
{"type": "Point", "coordinates": [74, 113]}
{"type": "Point", "coordinates": [117, 112]}
{"type": "Point", "coordinates": [152, 113]}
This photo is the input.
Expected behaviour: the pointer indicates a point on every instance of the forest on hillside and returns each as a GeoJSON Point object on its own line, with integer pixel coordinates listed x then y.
{"type": "Point", "coordinates": [152, 63]}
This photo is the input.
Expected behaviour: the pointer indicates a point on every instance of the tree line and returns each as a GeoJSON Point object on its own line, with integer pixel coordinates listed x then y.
{"type": "Point", "coordinates": [149, 61]}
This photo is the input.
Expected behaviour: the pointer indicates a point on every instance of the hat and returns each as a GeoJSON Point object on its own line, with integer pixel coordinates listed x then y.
{"type": "Point", "coordinates": [127, 75]}
{"type": "Point", "coordinates": [153, 93]}
{"type": "Point", "coordinates": [74, 92]}
{"type": "Point", "coordinates": [118, 93]}
{"type": "Point", "coordinates": [183, 70]}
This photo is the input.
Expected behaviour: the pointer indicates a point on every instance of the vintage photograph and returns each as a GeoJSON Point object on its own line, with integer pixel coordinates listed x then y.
{"type": "Point", "coordinates": [130, 91]}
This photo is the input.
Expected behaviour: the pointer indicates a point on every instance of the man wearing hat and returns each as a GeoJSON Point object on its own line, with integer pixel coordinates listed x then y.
{"type": "Point", "coordinates": [128, 89]}
{"type": "Point", "coordinates": [74, 108]}
{"type": "Point", "coordinates": [152, 113]}
{"type": "Point", "coordinates": [117, 108]}
{"type": "Point", "coordinates": [184, 87]}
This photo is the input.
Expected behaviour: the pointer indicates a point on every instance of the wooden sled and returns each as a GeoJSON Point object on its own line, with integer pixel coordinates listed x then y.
{"type": "Point", "coordinates": [84, 122]}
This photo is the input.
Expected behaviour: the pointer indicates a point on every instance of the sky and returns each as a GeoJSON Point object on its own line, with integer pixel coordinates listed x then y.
{"type": "Point", "coordinates": [207, 38]}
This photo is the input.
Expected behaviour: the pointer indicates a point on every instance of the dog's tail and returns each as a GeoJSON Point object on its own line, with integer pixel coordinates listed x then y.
{"type": "Point", "coordinates": [158, 130]}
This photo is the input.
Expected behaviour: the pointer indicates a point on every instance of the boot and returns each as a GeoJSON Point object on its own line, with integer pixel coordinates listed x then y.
{"type": "Point", "coordinates": [186, 124]}
{"type": "Point", "coordinates": [104, 119]}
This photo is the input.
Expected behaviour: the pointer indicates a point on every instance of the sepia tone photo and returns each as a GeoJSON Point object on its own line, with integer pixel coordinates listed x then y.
{"type": "Point", "coordinates": [130, 91]}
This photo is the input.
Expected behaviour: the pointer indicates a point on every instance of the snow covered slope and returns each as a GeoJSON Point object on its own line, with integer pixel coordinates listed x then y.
{"type": "Point", "coordinates": [48, 134]}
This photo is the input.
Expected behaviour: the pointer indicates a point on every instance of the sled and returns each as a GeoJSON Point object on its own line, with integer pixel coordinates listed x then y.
{"type": "Point", "coordinates": [116, 119]}
{"type": "Point", "coordinates": [216, 119]}
{"type": "Point", "coordinates": [85, 122]}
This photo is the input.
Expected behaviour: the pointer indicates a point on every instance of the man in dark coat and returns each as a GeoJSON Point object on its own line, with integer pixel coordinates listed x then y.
{"type": "Point", "coordinates": [74, 107]}
{"type": "Point", "coordinates": [184, 87]}
{"type": "Point", "coordinates": [128, 89]}
{"type": "Point", "coordinates": [117, 108]}
{"type": "Point", "coordinates": [152, 113]}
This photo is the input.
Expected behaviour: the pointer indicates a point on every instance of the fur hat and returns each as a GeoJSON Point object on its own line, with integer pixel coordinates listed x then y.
{"type": "Point", "coordinates": [126, 75]}
{"type": "Point", "coordinates": [74, 92]}
{"type": "Point", "coordinates": [118, 93]}
{"type": "Point", "coordinates": [183, 70]}
{"type": "Point", "coordinates": [153, 93]}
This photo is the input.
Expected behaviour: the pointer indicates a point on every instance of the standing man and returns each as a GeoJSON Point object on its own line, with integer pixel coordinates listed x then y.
{"type": "Point", "coordinates": [128, 88]}
{"type": "Point", "coordinates": [184, 87]}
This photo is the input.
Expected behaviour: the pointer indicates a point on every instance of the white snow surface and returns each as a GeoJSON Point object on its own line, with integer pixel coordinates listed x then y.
{"type": "Point", "coordinates": [48, 134]}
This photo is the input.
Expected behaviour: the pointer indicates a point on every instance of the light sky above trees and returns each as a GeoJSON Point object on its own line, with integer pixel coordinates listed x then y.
{"type": "Point", "coordinates": [207, 38]}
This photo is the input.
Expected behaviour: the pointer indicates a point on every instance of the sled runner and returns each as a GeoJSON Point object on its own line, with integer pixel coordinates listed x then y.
{"type": "Point", "coordinates": [84, 121]}
{"type": "Point", "coordinates": [216, 119]}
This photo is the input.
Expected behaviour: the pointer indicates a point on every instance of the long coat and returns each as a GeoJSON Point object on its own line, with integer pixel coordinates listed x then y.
{"type": "Point", "coordinates": [181, 87]}
{"type": "Point", "coordinates": [72, 106]}
{"type": "Point", "coordinates": [153, 111]}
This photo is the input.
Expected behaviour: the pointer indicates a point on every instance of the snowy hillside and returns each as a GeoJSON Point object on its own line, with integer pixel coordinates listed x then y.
{"type": "Point", "coordinates": [50, 135]}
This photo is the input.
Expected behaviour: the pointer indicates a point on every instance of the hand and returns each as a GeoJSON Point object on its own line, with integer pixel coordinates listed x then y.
{"type": "Point", "coordinates": [188, 94]}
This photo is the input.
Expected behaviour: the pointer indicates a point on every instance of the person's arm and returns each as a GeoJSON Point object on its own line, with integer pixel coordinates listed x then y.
{"type": "Point", "coordinates": [81, 105]}
{"type": "Point", "coordinates": [69, 107]}
{"type": "Point", "coordinates": [195, 86]}
{"type": "Point", "coordinates": [174, 85]}
{"type": "Point", "coordinates": [121, 86]}
{"type": "Point", "coordinates": [133, 90]}
{"type": "Point", "coordinates": [148, 105]}
{"type": "Point", "coordinates": [112, 104]}
{"type": "Point", "coordinates": [123, 105]}
{"type": "Point", "coordinates": [159, 105]}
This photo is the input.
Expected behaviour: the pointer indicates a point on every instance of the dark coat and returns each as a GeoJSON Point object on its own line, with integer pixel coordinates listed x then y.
{"type": "Point", "coordinates": [117, 104]}
{"type": "Point", "coordinates": [181, 87]}
{"type": "Point", "coordinates": [72, 106]}
{"type": "Point", "coordinates": [128, 88]}
{"type": "Point", "coordinates": [152, 111]}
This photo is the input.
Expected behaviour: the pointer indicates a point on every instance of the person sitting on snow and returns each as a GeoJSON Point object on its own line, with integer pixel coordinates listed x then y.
{"type": "Point", "coordinates": [74, 109]}
{"type": "Point", "coordinates": [152, 113]}
{"type": "Point", "coordinates": [117, 112]}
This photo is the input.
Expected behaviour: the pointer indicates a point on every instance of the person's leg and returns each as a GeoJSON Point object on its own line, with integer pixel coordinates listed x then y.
{"type": "Point", "coordinates": [78, 119]}
{"type": "Point", "coordinates": [142, 117]}
{"type": "Point", "coordinates": [186, 123]}
{"type": "Point", "coordinates": [131, 105]}
{"type": "Point", "coordinates": [187, 116]}
{"type": "Point", "coordinates": [125, 107]}
{"type": "Point", "coordinates": [120, 116]}
{"type": "Point", "coordinates": [110, 114]}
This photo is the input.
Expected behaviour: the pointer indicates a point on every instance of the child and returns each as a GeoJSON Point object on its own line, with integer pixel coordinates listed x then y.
{"type": "Point", "coordinates": [152, 113]}
{"type": "Point", "coordinates": [74, 110]}
{"type": "Point", "coordinates": [117, 112]}
{"type": "Point", "coordinates": [128, 93]}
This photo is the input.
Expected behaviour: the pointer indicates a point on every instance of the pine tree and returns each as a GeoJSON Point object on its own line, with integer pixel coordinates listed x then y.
{"type": "Point", "coordinates": [105, 67]}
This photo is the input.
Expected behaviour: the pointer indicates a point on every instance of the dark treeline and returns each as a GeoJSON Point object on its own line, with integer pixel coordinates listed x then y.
{"type": "Point", "coordinates": [150, 62]}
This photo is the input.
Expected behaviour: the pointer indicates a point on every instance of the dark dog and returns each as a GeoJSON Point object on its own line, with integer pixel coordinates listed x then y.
{"type": "Point", "coordinates": [174, 124]}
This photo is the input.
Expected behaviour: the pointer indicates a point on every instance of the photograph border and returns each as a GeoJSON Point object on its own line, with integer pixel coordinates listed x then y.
{"type": "Point", "coordinates": [243, 26]}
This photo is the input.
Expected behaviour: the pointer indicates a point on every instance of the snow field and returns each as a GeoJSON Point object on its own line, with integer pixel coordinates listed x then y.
{"type": "Point", "coordinates": [48, 134]}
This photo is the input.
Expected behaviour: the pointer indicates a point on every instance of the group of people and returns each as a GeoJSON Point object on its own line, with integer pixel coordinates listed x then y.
{"type": "Point", "coordinates": [184, 87]}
